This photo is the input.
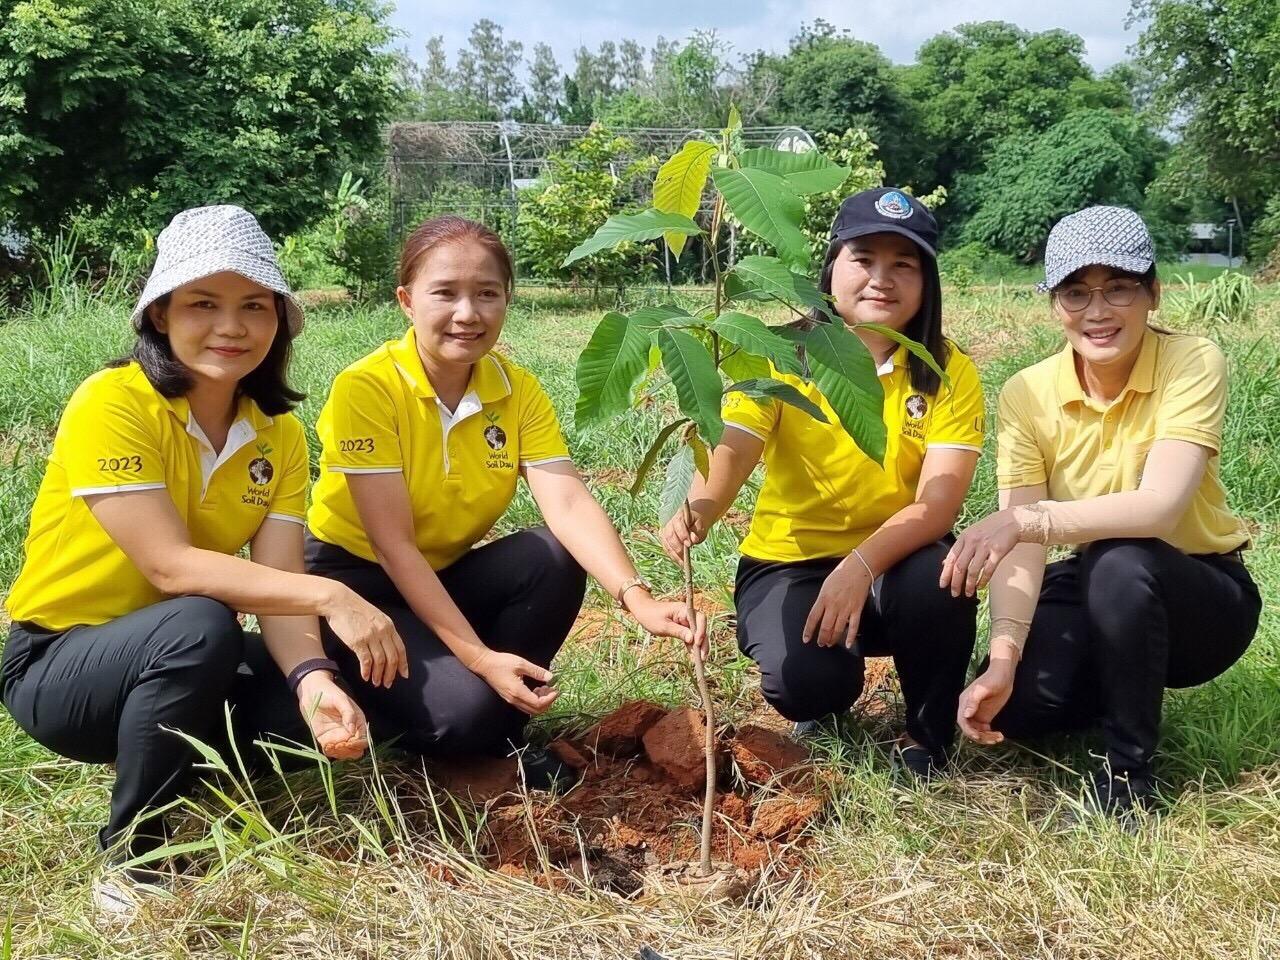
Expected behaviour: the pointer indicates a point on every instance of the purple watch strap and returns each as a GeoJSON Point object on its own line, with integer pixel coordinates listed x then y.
{"type": "Point", "coordinates": [308, 666]}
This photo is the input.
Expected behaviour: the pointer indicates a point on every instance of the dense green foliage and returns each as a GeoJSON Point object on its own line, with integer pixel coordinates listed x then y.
{"type": "Point", "coordinates": [129, 110]}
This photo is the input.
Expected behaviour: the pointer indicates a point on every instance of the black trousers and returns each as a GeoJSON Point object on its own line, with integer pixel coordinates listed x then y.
{"type": "Point", "coordinates": [105, 694]}
{"type": "Point", "coordinates": [928, 632]}
{"type": "Point", "coordinates": [1116, 624]}
{"type": "Point", "coordinates": [521, 594]}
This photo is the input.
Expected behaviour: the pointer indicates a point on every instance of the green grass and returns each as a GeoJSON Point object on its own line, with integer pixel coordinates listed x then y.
{"type": "Point", "coordinates": [336, 864]}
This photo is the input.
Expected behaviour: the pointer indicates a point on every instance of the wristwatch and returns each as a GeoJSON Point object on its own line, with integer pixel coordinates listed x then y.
{"type": "Point", "coordinates": [633, 582]}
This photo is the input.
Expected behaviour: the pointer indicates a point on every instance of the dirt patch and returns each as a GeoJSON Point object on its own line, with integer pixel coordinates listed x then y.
{"type": "Point", "coordinates": [638, 806]}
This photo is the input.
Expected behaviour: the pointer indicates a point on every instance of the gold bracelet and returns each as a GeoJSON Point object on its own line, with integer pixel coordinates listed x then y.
{"type": "Point", "coordinates": [633, 582]}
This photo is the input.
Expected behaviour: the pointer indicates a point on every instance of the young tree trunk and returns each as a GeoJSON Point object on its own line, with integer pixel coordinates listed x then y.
{"type": "Point", "coordinates": [709, 744]}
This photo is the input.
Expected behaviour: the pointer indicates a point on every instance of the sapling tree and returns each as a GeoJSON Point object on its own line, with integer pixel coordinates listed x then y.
{"type": "Point", "coordinates": [716, 348]}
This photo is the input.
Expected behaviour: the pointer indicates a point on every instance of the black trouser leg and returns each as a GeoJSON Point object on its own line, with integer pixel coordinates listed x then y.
{"type": "Point", "coordinates": [521, 594]}
{"type": "Point", "coordinates": [929, 633]}
{"type": "Point", "coordinates": [1116, 625]}
{"type": "Point", "coordinates": [105, 693]}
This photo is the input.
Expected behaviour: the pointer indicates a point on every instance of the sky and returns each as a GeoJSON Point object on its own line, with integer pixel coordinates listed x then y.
{"type": "Point", "coordinates": [898, 28]}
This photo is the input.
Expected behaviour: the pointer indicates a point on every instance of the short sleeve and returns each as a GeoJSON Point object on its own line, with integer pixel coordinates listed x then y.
{"type": "Point", "coordinates": [1193, 399]}
{"type": "Point", "coordinates": [290, 499]}
{"type": "Point", "coordinates": [1019, 459]}
{"type": "Point", "coordinates": [362, 434]}
{"type": "Point", "coordinates": [107, 443]}
{"type": "Point", "coordinates": [757, 417]}
{"type": "Point", "coordinates": [958, 412]}
{"type": "Point", "coordinates": [540, 438]}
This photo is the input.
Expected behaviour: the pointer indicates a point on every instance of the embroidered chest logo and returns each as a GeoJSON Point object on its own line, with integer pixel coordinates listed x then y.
{"type": "Point", "coordinates": [260, 469]}
{"type": "Point", "coordinates": [913, 425]}
{"type": "Point", "coordinates": [496, 439]}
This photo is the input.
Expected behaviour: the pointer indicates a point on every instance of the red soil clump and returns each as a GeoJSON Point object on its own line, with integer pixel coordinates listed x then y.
{"type": "Point", "coordinates": [640, 808]}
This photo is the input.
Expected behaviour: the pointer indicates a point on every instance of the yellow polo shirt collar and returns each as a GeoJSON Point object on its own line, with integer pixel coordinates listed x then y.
{"type": "Point", "coordinates": [489, 381]}
{"type": "Point", "coordinates": [1142, 378]}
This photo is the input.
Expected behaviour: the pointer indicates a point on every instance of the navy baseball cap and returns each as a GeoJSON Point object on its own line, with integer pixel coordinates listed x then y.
{"type": "Point", "coordinates": [886, 210]}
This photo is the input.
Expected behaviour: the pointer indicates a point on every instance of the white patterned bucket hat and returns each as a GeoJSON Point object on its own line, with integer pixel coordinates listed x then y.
{"type": "Point", "coordinates": [1097, 236]}
{"type": "Point", "coordinates": [203, 241]}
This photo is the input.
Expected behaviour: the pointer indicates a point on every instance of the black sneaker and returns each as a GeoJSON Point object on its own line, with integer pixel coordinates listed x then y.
{"type": "Point", "coordinates": [912, 761]}
{"type": "Point", "coordinates": [541, 770]}
{"type": "Point", "coordinates": [827, 726]}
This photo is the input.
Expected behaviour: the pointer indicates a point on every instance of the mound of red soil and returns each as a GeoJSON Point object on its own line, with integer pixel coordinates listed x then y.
{"type": "Point", "coordinates": [639, 804]}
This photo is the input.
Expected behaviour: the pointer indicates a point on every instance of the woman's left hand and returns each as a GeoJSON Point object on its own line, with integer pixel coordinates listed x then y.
{"type": "Point", "coordinates": [336, 721]}
{"type": "Point", "coordinates": [977, 552]}
{"type": "Point", "coordinates": [669, 618]}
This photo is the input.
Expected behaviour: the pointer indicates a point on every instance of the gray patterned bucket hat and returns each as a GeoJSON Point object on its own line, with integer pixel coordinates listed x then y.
{"type": "Point", "coordinates": [203, 241]}
{"type": "Point", "coordinates": [1097, 236]}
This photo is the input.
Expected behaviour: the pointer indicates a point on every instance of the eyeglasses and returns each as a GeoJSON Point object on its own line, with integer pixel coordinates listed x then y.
{"type": "Point", "coordinates": [1118, 293]}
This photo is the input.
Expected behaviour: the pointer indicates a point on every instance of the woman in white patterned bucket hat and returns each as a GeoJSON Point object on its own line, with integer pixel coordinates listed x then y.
{"type": "Point", "coordinates": [164, 466]}
{"type": "Point", "coordinates": [1111, 446]}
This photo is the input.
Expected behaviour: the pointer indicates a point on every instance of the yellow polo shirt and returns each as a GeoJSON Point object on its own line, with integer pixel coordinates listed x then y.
{"type": "Point", "coordinates": [118, 433]}
{"type": "Point", "coordinates": [1051, 432]}
{"type": "Point", "coordinates": [460, 466]}
{"type": "Point", "coordinates": [822, 496]}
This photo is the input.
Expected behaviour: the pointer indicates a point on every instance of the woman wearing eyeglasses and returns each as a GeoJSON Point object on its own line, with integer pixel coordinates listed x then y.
{"type": "Point", "coordinates": [1112, 446]}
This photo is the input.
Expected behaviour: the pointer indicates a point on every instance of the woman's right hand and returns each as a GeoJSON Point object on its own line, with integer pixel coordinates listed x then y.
{"type": "Point", "coordinates": [679, 534]}
{"type": "Point", "coordinates": [370, 635]}
{"type": "Point", "coordinates": [506, 673]}
{"type": "Point", "coordinates": [983, 700]}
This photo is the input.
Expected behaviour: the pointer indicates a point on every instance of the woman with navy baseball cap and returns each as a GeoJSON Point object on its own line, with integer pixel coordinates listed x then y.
{"type": "Point", "coordinates": [1111, 446]}
{"type": "Point", "coordinates": [843, 554]}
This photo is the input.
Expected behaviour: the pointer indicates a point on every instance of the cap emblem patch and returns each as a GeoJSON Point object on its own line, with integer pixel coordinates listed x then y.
{"type": "Point", "coordinates": [895, 206]}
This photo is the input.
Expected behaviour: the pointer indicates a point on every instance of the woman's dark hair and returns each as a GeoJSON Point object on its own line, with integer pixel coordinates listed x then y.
{"type": "Point", "coordinates": [450, 228]}
{"type": "Point", "coordinates": [925, 327]}
{"type": "Point", "coordinates": [266, 385]}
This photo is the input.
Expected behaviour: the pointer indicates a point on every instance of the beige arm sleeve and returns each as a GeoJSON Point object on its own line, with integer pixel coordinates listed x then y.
{"type": "Point", "coordinates": [1014, 590]}
{"type": "Point", "coordinates": [1173, 473]}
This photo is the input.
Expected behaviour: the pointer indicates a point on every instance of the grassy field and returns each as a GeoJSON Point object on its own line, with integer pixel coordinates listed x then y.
{"type": "Point", "coordinates": [351, 861]}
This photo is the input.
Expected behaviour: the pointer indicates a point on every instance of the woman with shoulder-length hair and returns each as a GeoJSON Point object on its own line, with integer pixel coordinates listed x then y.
{"type": "Point", "coordinates": [1112, 446]}
{"type": "Point", "coordinates": [842, 554]}
{"type": "Point", "coordinates": [424, 442]}
{"type": "Point", "coordinates": [163, 467]}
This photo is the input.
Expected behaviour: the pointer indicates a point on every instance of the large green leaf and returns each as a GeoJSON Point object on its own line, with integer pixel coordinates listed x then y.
{"type": "Point", "coordinates": [676, 485]}
{"type": "Point", "coordinates": [696, 380]}
{"type": "Point", "coordinates": [612, 363]}
{"type": "Point", "coordinates": [844, 371]}
{"type": "Point", "coordinates": [766, 388]}
{"type": "Point", "coordinates": [912, 346]}
{"type": "Point", "coordinates": [646, 225]}
{"type": "Point", "coordinates": [737, 364]}
{"type": "Point", "coordinates": [768, 278]}
{"type": "Point", "coordinates": [767, 206]}
{"type": "Point", "coordinates": [651, 455]}
{"type": "Point", "coordinates": [651, 319]}
{"type": "Point", "coordinates": [679, 184]}
{"type": "Point", "coordinates": [807, 173]}
{"type": "Point", "coordinates": [751, 334]}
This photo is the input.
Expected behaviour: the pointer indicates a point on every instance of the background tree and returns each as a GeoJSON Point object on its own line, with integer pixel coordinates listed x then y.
{"type": "Point", "coordinates": [1219, 86]}
{"type": "Point", "coordinates": [486, 71]}
{"type": "Point", "coordinates": [144, 108]}
{"type": "Point", "coordinates": [542, 104]}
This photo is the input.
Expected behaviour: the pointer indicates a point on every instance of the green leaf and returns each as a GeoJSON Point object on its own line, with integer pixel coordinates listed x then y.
{"type": "Point", "coordinates": [737, 364]}
{"type": "Point", "coordinates": [676, 486]}
{"type": "Point", "coordinates": [701, 457]}
{"type": "Point", "coordinates": [913, 347]}
{"type": "Point", "coordinates": [609, 367]}
{"type": "Point", "coordinates": [767, 388]}
{"type": "Point", "coordinates": [735, 119]}
{"type": "Point", "coordinates": [842, 368]}
{"type": "Point", "coordinates": [768, 278]}
{"type": "Point", "coordinates": [807, 173]}
{"type": "Point", "coordinates": [621, 227]}
{"type": "Point", "coordinates": [696, 380]}
{"type": "Point", "coordinates": [752, 335]}
{"type": "Point", "coordinates": [651, 455]}
{"type": "Point", "coordinates": [769, 208]}
{"type": "Point", "coordinates": [650, 319]}
{"type": "Point", "coordinates": [679, 184]}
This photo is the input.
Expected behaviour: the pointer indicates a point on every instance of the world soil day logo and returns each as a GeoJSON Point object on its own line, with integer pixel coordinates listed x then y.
{"type": "Point", "coordinates": [494, 435]}
{"type": "Point", "coordinates": [260, 469]}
